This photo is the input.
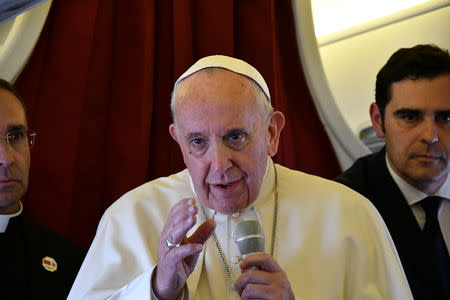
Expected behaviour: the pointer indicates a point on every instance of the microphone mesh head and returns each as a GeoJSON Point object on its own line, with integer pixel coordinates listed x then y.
{"type": "Point", "coordinates": [249, 237]}
{"type": "Point", "coordinates": [248, 227]}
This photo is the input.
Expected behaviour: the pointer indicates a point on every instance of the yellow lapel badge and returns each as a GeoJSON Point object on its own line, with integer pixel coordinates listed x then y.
{"type": "Point", "coordinates": [49, 264]}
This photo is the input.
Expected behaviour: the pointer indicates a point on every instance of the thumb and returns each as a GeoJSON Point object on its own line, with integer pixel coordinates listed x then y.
{"type": "Point", "coordinates": [203, 232]}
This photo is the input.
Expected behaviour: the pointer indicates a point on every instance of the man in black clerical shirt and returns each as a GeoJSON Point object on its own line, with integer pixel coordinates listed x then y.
{"type": "Point", "coordinates": [36, 263]}
{"type": "Point", "coordinates": [408, 180]}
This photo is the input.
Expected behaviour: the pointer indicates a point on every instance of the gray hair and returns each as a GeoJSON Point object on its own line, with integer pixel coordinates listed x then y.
{"type": "Point", "coordinates": [262, 101]}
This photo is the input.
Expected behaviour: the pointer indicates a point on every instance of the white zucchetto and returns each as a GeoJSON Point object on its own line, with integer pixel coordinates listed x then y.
{"type": "Point", "coordinates": [229, 63]}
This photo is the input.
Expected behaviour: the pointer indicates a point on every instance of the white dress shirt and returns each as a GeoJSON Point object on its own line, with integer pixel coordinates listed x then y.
{"type": "Point", "coordinates": [413, 196]}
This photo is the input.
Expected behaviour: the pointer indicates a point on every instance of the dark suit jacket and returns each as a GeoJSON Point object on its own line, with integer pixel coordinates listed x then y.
{"type": "Point", "coordinates": [22, 247]}
{"type": "Point", "coordinates": [370, 177]}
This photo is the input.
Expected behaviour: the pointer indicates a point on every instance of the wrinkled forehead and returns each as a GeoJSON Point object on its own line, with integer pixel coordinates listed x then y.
{"type": "Point", "coordinates": [214, 84]}
{"type": "Point", "coordinates": [220, 100]}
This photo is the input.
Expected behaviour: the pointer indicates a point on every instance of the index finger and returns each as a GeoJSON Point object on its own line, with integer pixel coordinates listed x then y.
{"type": "Point", "coordinates": [181, 205]}
{"type": "Point", "coordinates": [262, 261]}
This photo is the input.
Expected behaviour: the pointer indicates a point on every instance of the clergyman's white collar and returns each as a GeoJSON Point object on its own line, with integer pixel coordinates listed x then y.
{"type": "Point", "coordinates": [4, 219]}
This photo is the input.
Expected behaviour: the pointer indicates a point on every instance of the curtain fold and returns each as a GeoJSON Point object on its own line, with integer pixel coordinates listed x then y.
{"type": "Point", "coordinates": [98, 86]}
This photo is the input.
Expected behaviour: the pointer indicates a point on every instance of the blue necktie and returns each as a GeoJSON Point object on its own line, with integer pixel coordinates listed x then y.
{"type": "Point", "coordinates": [437, 250]}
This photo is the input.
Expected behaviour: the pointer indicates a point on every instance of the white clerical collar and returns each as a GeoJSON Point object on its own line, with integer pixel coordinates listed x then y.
{"type": "Point", "coordinates": [267, 185]}
{"type": "Point", "coordinates": [4, 219]}
{"type": "Point", "coordinates": [413, 195]}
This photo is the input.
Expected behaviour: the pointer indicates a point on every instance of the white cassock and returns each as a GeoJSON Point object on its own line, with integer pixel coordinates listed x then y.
{"type": "Point", "coordinates": [330, 241]}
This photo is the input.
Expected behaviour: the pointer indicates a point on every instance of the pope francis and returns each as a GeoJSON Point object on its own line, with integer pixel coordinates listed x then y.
{"type": "Point", "coordinates": [175, 237]}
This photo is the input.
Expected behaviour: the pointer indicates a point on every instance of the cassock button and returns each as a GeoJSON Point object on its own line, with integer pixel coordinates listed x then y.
{"type": "Point", "coordinates": [49, 264]}
{"type": "Point", "coordinates": [235, 259]}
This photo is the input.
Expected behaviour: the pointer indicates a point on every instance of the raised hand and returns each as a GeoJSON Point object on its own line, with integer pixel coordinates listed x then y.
{"type": "Point", "coordinates": [266, 281]}
{"type": "Point", "coordinates": [178, 254]}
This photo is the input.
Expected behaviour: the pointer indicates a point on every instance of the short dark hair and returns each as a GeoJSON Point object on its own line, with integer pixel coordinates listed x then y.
{"type": "Point", "coordinates": [5, 85]}
{"type": "Point", "coordinates": [421, 61]}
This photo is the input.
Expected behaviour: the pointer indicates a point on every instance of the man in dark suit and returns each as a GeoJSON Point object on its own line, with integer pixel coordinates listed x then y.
{"type": "Point", "coordinates": [412, 114]}
{"type": "Point", "coordinates": [36, 262]}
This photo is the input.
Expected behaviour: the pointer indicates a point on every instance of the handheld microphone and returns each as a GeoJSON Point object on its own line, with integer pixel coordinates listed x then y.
{"type": "Point", "coordinates": [249, 237]}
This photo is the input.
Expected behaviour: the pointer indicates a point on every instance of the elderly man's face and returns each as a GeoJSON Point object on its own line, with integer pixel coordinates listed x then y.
{"type": "Point", "coordinates": [224, 138]}
{"type": "Point", "coordinates": [14, 161]}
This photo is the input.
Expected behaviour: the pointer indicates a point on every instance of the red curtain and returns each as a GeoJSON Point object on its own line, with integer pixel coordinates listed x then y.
{"type": "Point", "coordinates": [97, 89]}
